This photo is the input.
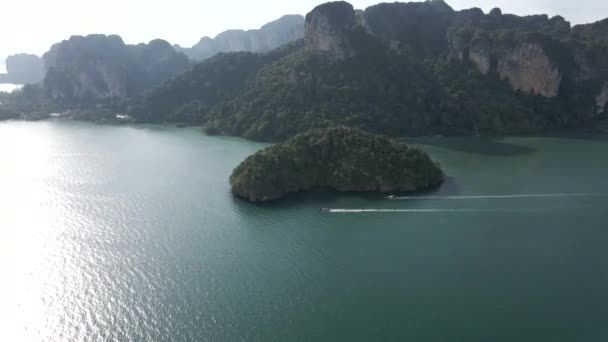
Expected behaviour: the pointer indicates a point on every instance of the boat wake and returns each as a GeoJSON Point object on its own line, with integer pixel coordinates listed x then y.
{"type": "Point", "coordinates": [414, 198]}
{"type": "Point", "coordinates": [351, 211]}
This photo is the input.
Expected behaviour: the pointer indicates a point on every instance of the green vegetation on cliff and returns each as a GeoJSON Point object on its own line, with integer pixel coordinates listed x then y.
{"type": "Point", "coordinates": [189, 96]}
{"type": "Point", "coordinates": [379, 91]}
{"type": "Point", "coordinates": [304, 91]}
{"type": "Point", "coordinates": [465, 73]}
{"type": "Point", "coordinates": [398, 69]}
{"type": "Point", "coordinates": [338, 158]}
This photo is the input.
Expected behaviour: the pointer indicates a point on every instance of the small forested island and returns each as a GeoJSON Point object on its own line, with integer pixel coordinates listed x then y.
{"type": "Point", "coordinates": [338, 158]}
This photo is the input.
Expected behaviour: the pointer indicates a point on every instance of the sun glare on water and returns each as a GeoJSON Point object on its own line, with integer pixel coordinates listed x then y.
{"type": "Point", "coordinates": [27, 225]}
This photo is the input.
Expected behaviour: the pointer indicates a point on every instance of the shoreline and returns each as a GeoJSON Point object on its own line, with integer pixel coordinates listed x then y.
{"type": "Point", "coordinates": [581, 132]}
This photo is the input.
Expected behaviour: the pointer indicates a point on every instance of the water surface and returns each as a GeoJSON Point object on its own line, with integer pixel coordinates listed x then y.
{"type": "Point", "coordinates": [131, 234]}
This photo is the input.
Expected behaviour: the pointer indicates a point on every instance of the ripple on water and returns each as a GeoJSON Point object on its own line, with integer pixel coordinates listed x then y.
{"type": "Point", "coordinates": [131, 234]}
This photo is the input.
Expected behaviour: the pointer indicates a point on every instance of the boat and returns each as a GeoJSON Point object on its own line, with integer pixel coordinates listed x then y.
{"type": "Point", "coordinates": [325, 210]}
{"type": "Point", "coordinates": [391, 197]}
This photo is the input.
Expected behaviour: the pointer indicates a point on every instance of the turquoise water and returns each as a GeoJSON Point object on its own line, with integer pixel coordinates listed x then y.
{"type": "Point", "coordinates": [131, 234]}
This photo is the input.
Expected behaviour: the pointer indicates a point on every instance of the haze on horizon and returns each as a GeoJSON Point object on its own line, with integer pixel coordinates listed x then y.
{"type": "Point", "coordinates": [32, 26]}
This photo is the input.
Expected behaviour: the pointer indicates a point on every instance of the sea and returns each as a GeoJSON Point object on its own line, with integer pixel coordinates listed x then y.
{"type": "Point", "coordinates": [130, 233]}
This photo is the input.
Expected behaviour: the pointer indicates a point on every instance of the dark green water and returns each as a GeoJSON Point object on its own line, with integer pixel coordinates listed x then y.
{"type": "Point", "coordinates": [131, 234]}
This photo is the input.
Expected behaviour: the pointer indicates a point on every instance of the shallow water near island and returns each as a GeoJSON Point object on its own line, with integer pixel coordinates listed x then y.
{"type": "Point", "coordinates": [118, 233]}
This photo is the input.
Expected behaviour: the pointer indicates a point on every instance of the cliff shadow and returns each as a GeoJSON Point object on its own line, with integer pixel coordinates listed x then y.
{"type": "Point", "coordinates": [585, 135]}
{"type": "Point", "coordinates": [476, 145]}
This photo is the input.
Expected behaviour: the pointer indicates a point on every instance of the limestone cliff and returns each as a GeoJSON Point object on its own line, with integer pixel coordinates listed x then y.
{"type": "Point", "coordinates": [409, 68]}
{"type": "Point", "coordinates": [524, 51]}
{"type": "Point", "coordinates": [98, 67]}
{"type": "Point", "coordinates": [427, 29]}
{"type": "Point", "coordinates": [393, 68]}
{"type": "Point", "coordinates": [601, 100]}
{"type": "Point", "coordinates": [480, 53]}
{"type": "Point", "coordinates": [23, 69]}
{"type": "Point", "coordinates": [328, 29]}
{"type": "Point", "coordinates": [415, 28]}
{"type": "Point", "coordinates": [528, 68]}
{"type": "Point", "coordinates": [480, 57]}
{"type": "Point", "coordinates": [270, 36]}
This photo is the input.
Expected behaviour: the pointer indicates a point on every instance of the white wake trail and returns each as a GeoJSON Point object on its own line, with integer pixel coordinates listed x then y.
{"type": "Point", "coordinates": [352, 211]}
{"type": "Point", "coordinates": [413, 198]}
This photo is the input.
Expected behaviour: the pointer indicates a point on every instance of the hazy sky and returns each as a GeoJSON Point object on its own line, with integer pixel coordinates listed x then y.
{"type": "Point", "coordinates": [34, 25]}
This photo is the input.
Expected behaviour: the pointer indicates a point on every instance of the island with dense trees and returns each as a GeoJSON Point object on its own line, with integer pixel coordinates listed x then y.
{"type": "Point", "coordinates": [339, 158]}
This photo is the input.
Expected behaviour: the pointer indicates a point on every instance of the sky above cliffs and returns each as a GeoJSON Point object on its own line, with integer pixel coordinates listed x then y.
{"type": "Point", "coordinates": [32, 26]}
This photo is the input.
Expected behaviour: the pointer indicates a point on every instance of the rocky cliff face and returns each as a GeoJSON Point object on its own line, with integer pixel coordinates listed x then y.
{"type": "Point", "coordinates": [414, 28]}
{"type": "Point", "coordinates": [97, 82]}
{"type": "Point", "coordinates": [481, 59]}
{"type": "Point", "coordinates": [496, 42]}
{"type": "Point", "coordinates": [529, 69]}
{"type": "Point", "coordinates": [270, 36]}
{"type": "Point", "coordinates": [157, 62]}
{"type": "Point", "coordinates": [400, 69]}
{"type": "Point", "coordinates": [395, 68]}
{"type": "Point", "coordinates": [328, 29]}
{"type": "Point", "coordinates": [23, 69]}
{"type": "Point", "coordinates": [480, 55]}
{"type": "Point", "coordinates": [601, 100]}
{"type": "Point", "coordinates": [512, 47]}
{"type": "Point", "coordinates": [97, 67]}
